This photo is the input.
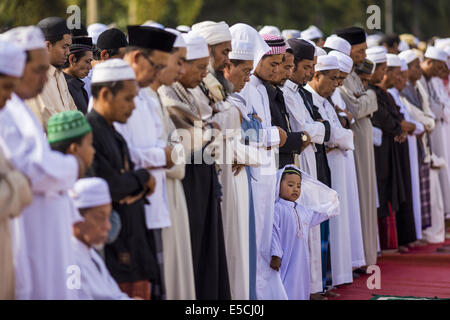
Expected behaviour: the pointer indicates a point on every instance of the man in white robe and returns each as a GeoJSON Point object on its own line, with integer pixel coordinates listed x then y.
{"type": "Point", "coordinates": [42, 235]}
{"type": "Point", "coordinates": [92, 198]}
{"type": "Point", "coordinates": [323, 84]}
{"type": "Point", "coordinates": [434, 60]}
{"type": "Point", "coordinates": [354, 211]}
{"type": "Point", "coordinates": [301, 120]}
{"type": "Point", "coordinates": [143, 131]}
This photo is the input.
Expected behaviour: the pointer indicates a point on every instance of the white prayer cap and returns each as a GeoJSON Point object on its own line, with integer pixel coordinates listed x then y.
{"type": "Point", "coordinates": [393, 60]}
{"type": "Point", "coordinates": [404, 66]}
{"type": "Point", "coordinates": [90, 192]}
{"type": "Point", "coordinates": [112, 70]}
{"type": "Point", "coordinates": [403, 46]}
{"type": "Point", "coordinates": [377, 54]}
{"type": "Point", "coordinates": [197, 47]}
{"type": "Point", "coordinates": [345, 62]}
{"type": "Point", "coordinates": [95, 29]}
{"type": "Point", "coordinates": [436, 54]}
{"type": "Point", "coordinates": [242, 50]}
{"type": "Point", "coordinates": [320, 52]}
{"type": "Point", "coordinates": [213, 32]}
{"type": "Point", "coordinates": [442, 43]}
{"type": "Point", "coordinates": [179, 41]}
{"type": "Point", "coordinates": [373, 40]}
{"type": "Point", "coordinates": [270, 30]}
{"type": "Point", "coordinates": [327, 63]}
{"type": "Point", "coordinates": [246, 33]}
{"type": "Point", "coordinates": [12, 59]}
{"type": "Point", "coordinates": [291, 34]}
{"type": "Point", "coordinates": [312, 33]}
{"type": "Point", "coordinates": [408, 55]}
{"type": "Point", "coordinates": [337, 43]}
{"type": "Point", "coordinates": [183, 28]}
{"type": "Point", "coordinates": [154, 24]}
{"type": "Point", "coordinates": [28, 38]}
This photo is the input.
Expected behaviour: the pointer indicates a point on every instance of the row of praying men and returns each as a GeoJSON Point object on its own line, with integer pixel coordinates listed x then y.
{"type": "Point", "coordinates": [214, 162]}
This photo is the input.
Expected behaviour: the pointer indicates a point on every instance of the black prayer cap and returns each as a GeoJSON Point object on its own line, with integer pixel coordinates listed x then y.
{"type": "Point", "coordinates": [112, 39]}
{"type": "Point", "coordinates": [53, 27]}
{"type": "Point", "coordinates": [353, 35]}
{"type": "Point", "coordinates": [365, 67]}
{"type": "Point", "coordinates": [79, 32]}
{"type": "Point", "coordinates": [151, 38]}
{"type": "Point", "coordinates": [302, 49]}
{"type": "Point", "coordinates": [81, 44]}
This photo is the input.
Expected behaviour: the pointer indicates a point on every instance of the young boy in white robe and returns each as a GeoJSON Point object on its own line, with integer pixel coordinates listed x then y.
{"type": "Point", "coordinates": [293, 218]}
{"type": "Point", "coordinates": [92, 198]}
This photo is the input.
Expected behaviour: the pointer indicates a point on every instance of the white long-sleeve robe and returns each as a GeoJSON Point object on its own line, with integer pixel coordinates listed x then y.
{"type": "Point", "coordinates": [268, 284]}
{"type": "Point", "coordinates": [340, 241]}
{"type": "Point", "coordinates": [291, 225]}
{"type": "Point", "coordinates": [42, 234]}
{"type": "Point", "coordinates": [96, 281]}
{"type": "Point", "coordinates": [354, 209]}
{"type": "Point", "coordinates": [301, 120]}
{"type": "Point", "coordinates": [143, 132]}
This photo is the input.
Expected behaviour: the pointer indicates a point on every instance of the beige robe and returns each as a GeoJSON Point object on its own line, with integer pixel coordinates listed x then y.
{"type": "Point", "coordinates": [15, 194]}
{"type": "Point", "coordinates": [53, 99]}
{"type": "Point", "coordinates": [362, 108]}
{"type": "Point", "coordinates": [178, 268]}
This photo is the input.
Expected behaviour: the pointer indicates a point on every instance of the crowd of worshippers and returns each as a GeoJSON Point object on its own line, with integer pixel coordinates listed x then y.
{"type": "Point", "coordinates": [335, 151]}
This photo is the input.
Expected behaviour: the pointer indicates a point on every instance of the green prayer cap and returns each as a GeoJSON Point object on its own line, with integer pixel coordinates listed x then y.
{"type": "Point", "coordinates": [67, 125]}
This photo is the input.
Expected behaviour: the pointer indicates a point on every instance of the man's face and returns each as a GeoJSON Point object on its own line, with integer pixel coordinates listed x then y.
{"type": "Point", "coordinates": [219, 55]}
{"type": "Point", "coordinates": [379, 73]}
{"type": "Point", "coordinates": [401, 81]}
{"type": "Point", "coordinates": [327, 82]}
{"type": "Point", "coordinates": [431, 68]}
{"type": "Point", "coordinates": [341, 78]}
{"type": "Point", "coordinates": [196, 70]}
{"type": "Point", "coordinates": [175, 68]}
{"type": "Point", "coordinates": [35, 74]}
{"type": "Point", "coordinates": [59, 52]}
{"type": "Point", "coordinates": [392, 76]}
{"type": "Point", "coordinates": [304, 72]}
{"type": "Point", "coordinates": [365, 78]}
{"type": "Point", "coordinates": [147, 67]}
{"type": "Point", "coordinates": [415, 72]}
{"type": "Point", "coordinates": [285, 70]}
{"type": "Point", "coordinates": [96, 224]}
{"type": "Point", "coordinates": [238, 75]}
{"type": "Point", "coordinates": [7, 87]}
{"type": "Point", "coordinates": [81, 67]}
{"type": "Point", "coordinates": [121, 105]}
{"type": "Point", "coordinates": [268, 67]}
{"type": "Point", "coordinates": [358, 53]}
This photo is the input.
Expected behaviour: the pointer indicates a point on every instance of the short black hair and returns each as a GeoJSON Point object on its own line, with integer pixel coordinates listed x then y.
{"type": "Point", "coordinates": [63, 146]}
{"type": "Point", "coordinates": [97, 52]}
{"type": "Point", "coordinates": [390, 40]}
{"type": "Point", "coordinates": [78, 55]}
{"type": "Point", "coordinates": [55, 39]}
{"type": "Point", "coordinates": [114, 87]}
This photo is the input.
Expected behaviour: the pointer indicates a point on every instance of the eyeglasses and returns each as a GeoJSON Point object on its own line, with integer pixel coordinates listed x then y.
{"type": "Point", "coordinates": [157, 67]}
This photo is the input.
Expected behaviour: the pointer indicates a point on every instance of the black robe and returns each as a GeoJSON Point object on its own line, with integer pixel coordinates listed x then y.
{"type": "Point", "coordinates": [203, 193]}
{"type": "Point", "coordinates": [323, 170]}
{"type": "Point", "coordinates": [78, 93]}
{"type": "Point", "coordinates": [280, 118]}
{"type": "Point", "coordinates": [132, 256]}
{"type": "Point", "coordinates": [393, 169]}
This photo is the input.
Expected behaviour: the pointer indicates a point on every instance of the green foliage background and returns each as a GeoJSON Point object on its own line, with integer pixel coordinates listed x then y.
{"type": "Point", "coordinates": [424, 18]}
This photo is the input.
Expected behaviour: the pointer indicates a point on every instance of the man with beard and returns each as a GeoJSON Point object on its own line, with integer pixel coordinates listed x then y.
{"type": "Point", "coordinates": [56, 96]}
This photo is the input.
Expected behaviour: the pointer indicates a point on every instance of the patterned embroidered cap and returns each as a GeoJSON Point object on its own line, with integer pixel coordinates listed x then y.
{"type": "Point", "coordinates": [67, 125]}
